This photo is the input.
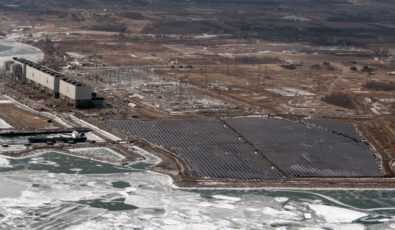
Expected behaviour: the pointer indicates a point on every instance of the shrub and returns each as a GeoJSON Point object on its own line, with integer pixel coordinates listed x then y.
{"type": "Point", "coordinates": [339, 99]}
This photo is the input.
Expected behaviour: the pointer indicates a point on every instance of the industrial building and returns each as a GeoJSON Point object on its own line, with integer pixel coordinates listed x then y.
{"type": "Point", "coordinates": [59, 85]}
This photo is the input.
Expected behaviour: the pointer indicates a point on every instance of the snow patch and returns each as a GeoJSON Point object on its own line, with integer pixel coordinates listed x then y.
{"type": "Point", "coordinates": [4, 124]}
{"type": "Point", "coordinates": [281, 199]}
{"type": "Point", "coordinates": [224, 206]}
{"type": "Point", "coordinates": [5, 102]}
{"type": "Point", "coordinates": [143, 201]}
{"type": "Point", "coordinates": [103, 153]}
{"type": "Point", "coordinates": [228, 198]}
{"type": "Point", "coordinates": [282, 214]}
{"type": "Point", "coordinates": [93, 137]}
{"type": "Point", "coordinates": [12, 148]}
{"type": "Point", "coordinates": [95, 128]}
{"type": "Point", "coordinates": [336, 214]}
{"type": "Point", "coordinates": [4, 162]}
{"type": "Point", "coordinates": [346, 226]}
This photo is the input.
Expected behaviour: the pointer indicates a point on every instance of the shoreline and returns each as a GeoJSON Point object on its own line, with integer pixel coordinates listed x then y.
{"type": "Point", "coordinates": [180, 173]}
{"type": "Point", "coordinates": [214, 187]}
{"type": "Point", "coordinates": [349, 184]}
{"type": "Point", "coordinates": [182, 180]}
{"type": "Point", "coordinates": [31, 52]}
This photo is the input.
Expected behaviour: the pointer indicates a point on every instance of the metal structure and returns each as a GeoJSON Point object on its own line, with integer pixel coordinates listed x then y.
{"type": "Point", "coordinates": [163, 92]}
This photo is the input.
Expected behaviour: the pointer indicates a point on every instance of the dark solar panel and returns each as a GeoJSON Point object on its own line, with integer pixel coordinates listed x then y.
{"type": "Point", "coordinates": [337, 127]}
{"type": "Point", "coordinates": [210, 148]}
{"type": "Point", "coordinates": [305, 151]}
{"type": "Point", "coordinates": [217, 149]}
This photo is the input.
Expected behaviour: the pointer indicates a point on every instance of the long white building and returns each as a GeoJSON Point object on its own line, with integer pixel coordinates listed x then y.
{"type": "Point", "coordinates": [61, 86]}
{"type": "Point", "coordinates": [44, 77]}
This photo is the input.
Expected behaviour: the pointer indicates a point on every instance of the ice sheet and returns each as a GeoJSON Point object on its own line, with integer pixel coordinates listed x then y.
{"type": "Point", "coordinates": [100, 153]}
{"type": "Point", "coordinates": [83, 201]}
{"type": "Point", "coordinates": [4, 162]}
{"type": "Point", "coordinates": [228, 198]}
{"type": "Point", "coordinates": [336, 214]}
{"type": "Point", "coordinates": [12, 148]}
{"type": "Point", "coordinates": [20, 50]}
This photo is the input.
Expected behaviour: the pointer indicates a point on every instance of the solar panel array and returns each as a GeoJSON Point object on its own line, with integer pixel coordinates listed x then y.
{"type": "Point", "coordinates": [338, 127]}
{"type": "Point", "coordinates": [305, 151]}
{"type": "Point", "coordinates": [217, 149]}
{"type": "Point", "coordinates": [210, 148]}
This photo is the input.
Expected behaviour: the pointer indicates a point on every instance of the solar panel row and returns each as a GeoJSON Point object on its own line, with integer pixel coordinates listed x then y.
{"type": "Point", "coordinates": [339, 127]}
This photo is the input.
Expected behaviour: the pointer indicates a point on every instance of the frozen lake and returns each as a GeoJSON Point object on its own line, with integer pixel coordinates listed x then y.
{"type": "Point", "coordinates": [55, 191]}
{"type": "Point", "coordinates": [10, 49]}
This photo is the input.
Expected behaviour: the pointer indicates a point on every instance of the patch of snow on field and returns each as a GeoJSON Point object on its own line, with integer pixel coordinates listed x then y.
{"type": "Point", "coordinates": [282, 92]}
{"type": "Point", "coordinates": [290, 92]}
{"type": "Point", "coordinates": [299, 92]}
{"type": "Point", "coordinates": [95, 128]}
{"type": "Point", "coordinates": [93, 137]}
{"type": "Point", "coordinates": [5, 102]}
{"type": "Point", "coordinates": [4, 124]}
{"type": "Point", "coordinates": [75, 55]}
{"type": "Point", "coordinates": [387, 100]}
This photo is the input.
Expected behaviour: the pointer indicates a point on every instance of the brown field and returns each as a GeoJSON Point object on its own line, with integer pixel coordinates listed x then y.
{"type": "Point", "coordinates": [246, 57]}
{"type": "Point", "coordinates": [22, 119]}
